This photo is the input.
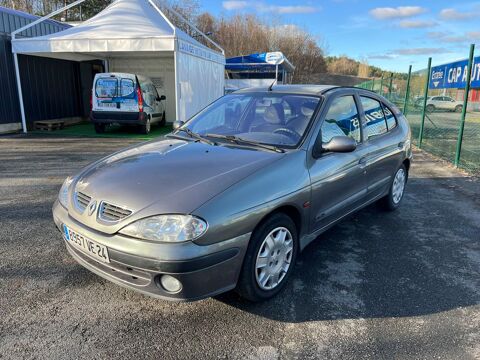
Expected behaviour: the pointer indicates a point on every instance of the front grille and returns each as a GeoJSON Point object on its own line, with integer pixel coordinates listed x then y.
{"type": "Point", "coordinates": [82, 200]}
{"type": "Point", "coordinates": [112, 213]}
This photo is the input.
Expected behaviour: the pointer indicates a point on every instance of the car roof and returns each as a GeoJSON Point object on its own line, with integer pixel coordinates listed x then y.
{"type": "Point", "coordinates": [292, 89]}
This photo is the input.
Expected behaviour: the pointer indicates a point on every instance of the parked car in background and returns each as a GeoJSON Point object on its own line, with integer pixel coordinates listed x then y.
{"type": "Point", "coordinates": [126, 99]}
{"type": "Point", "coordinates": [445, 103]}
{"type": "Point", "coordinates": [229, 199]}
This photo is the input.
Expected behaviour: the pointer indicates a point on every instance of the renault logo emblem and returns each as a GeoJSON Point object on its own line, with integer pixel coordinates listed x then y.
{"type": "Point", "coordinates": [92, 207]}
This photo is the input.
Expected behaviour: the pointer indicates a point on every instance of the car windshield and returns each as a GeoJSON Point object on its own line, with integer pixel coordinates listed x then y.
{"type": "Point", "coordinates": [266, 118]}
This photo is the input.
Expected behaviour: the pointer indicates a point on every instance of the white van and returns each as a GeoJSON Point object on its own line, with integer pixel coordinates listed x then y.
{"type": "Point", "coordinates": [126, 99]}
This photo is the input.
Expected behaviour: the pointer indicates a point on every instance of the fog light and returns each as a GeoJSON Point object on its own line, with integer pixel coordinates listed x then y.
{"type": "Point", "coordinates": [170, 284]}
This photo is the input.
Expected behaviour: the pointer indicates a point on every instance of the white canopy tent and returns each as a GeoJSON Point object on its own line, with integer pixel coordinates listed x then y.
{"type": "Point", "coordinates": [135, 36]}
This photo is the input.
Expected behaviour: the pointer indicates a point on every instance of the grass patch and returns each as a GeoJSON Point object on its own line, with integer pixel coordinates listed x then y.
{"type": "Point", "coordinates": [112, 131]}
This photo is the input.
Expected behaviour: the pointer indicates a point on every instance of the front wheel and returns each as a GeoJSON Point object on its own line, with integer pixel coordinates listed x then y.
{"type": "Point", "coordinates": [430, 108]}
{"type": "Point", "coordinates": [99, 128]}
{"type": "Point", "coordinates": [164, 119]}
{"type": "Point", "coordinates": [270, 258]}
{"type": "Point", "coordinates": [458, 108]}
{"type": "Point", "coordinates": [397, 188]}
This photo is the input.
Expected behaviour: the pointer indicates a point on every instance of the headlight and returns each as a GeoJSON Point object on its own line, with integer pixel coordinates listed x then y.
{"type": "Point", "coordinates": [63, 194]}
{"type": "Point", "coordinates": [167, 228]}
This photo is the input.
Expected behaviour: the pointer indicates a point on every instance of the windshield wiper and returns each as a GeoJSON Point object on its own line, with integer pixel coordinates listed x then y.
{"type": "Point", "coordinates": [240, 141]}
{"type": "Point", "coordinates": [196, 136]}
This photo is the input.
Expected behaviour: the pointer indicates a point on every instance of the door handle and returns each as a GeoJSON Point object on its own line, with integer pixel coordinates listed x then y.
{"type": "Point", "coordinates": [362, 162]}
{"type": "Point", "coordinates": [401, 144]}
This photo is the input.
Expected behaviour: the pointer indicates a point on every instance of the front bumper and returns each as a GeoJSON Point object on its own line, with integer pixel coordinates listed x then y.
{"type": "Point", "coordinates": [214, 269]}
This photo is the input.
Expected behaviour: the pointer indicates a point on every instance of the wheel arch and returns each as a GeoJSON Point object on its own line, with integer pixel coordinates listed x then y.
{"type": "Point", "coordinates": [290, 210]}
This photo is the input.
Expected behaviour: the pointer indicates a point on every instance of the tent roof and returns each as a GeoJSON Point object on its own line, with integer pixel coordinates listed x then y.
{"type": "Point", "coordinates": [259, 62]}
{"type": "Point", "coordinates": [124, 26]}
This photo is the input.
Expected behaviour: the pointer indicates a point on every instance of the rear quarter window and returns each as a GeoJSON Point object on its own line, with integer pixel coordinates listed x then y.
{"type": "Point", "coordinates": [106, 87]}
{"type": "Point", "coordinates": [391, 120]}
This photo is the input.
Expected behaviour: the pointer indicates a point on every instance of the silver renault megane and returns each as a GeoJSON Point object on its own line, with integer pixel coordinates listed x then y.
{"type": "Point", "coordinates": [229, 198]}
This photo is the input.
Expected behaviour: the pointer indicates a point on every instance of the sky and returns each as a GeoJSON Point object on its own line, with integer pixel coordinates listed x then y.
{"type": "Point", "coordinates": [390, 34]}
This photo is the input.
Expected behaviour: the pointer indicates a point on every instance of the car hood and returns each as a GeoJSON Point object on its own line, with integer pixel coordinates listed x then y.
{"type": "Point", "coordinates": [168, 176]}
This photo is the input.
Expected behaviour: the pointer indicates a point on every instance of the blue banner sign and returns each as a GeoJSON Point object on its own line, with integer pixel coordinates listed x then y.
{"type": "Point", "coordinates": [454, 75]}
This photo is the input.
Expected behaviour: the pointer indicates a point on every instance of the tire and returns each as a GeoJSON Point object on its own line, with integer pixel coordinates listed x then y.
{"type": "Point", "coordinates": [259, 253]}
{"type": "Point", "coordinates": [145, 129]}
{"type": "Point", "coordinates": [458, 108]}
{"type": "Point", "coordinates": [430, 108]}
{"type": "Point", "coordinates": [164, 120]}
{"type": "Point", "coordinates": [393, 199]}
{"type": "Point", "coordinates": [99, 128]}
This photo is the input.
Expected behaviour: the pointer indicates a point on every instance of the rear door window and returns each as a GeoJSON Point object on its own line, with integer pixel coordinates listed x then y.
{"type": "Point", "coordinates": [127, 87]}
{"type": "Point", "coordinates": [106, 87]}
{"type": "Point", "coordinates": [376, 123]}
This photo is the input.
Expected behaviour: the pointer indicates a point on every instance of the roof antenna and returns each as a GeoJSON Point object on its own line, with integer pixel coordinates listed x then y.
{"type": "Point", "coordinates": [270, 88]}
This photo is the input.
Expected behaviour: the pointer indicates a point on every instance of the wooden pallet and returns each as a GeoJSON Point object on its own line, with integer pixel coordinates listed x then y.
{"type": "Point", "coordinates": [49, 125]}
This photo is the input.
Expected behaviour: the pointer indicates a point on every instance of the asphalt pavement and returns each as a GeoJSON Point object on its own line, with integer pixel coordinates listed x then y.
{"type": "Point", "coordinates": [402, 285]}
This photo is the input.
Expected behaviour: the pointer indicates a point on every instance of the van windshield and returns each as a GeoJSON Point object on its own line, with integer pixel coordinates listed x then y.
{"type": "Point", "coordinates": [106, 87]}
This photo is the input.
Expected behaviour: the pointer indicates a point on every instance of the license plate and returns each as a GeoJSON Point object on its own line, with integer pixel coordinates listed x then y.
{"type": "Point", "coordinates": [88, 246]}
{"type": "Point", "coordinates": [108, 105]}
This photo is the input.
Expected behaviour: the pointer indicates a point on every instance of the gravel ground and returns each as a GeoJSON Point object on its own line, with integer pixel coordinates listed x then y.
{"type": "Point", "coordinates": [402, 285]}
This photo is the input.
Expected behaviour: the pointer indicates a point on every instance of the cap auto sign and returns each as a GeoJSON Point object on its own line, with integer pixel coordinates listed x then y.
{"type": "Point", "coordinates": [454, 75]}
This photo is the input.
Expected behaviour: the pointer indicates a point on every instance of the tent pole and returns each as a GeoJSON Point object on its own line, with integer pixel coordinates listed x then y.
{"type": "Point", "coordinates": [20, 93]}
{"type": "Point", "coordinates": [46, 17]}
{"type": "Point", "coordinates": [192, 25]}
{"type": "Point", "coordinates": [177, 92]}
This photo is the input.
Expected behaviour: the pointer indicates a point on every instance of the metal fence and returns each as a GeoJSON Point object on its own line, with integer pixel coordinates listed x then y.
{"type": "Point", "coordinates": [444, 121]}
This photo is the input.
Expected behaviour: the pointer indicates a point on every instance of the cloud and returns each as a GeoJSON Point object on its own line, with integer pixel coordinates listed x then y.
{"type": "Point", "coordinates": [382, 57]}
{"type": "Point", "coordinates": [452, 14]}
{"type": "Point", "coordinates": [233, 5]}
{"type": "Point", "coordinates": [416, 24]}
{"type": "Point", "coordinates": [396, 13]}
{"type": "Point", "coordinates": [420, 51]}
{"type": "Point", "coordinates": [394, 54]}
{"type": "Point", "coordinates": [473, 35]}
{"type": "Point", "coordinates": [446, 37]}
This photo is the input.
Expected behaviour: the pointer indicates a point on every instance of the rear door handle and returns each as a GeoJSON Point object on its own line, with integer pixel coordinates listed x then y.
{"type": "Point", "coordinates": [362, 162]}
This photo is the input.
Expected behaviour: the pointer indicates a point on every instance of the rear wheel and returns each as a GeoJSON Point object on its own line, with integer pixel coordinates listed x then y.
{"type": "Point", "coordinates": [145, 129]}
{"type": "Point", "coordinates": [164, 119]}
{"type": "Point", "coordinates": [458, 108]}
{"type": "Point", "coordinates": [397, 188]}
{"type": "Point", "coordinates": [99, 128]}
{"type": "Point", "coordinates": [270, 258]}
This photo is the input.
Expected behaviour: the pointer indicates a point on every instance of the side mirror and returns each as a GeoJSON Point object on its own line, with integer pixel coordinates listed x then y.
{"type": "Point", "coordinates": [339, 144]}
{"type": "Point", "coordinates": [177, 124]}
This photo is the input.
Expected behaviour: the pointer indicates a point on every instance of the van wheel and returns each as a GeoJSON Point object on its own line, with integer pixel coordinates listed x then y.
{"type": "Point", "coordinates": [164, 120]}
{"type": "Point", "coordinates": [397, 188]}
{"type": "Point", "coordinates": [270, 258]}
{"type": "Point", "coordinates": [99, 128]}
{"type": "Point", "coordinates": [145, 129]}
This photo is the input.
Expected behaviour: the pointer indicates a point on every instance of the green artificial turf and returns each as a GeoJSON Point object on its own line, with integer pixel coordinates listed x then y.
{"type": "Point", "coordinates": [113, 131]}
